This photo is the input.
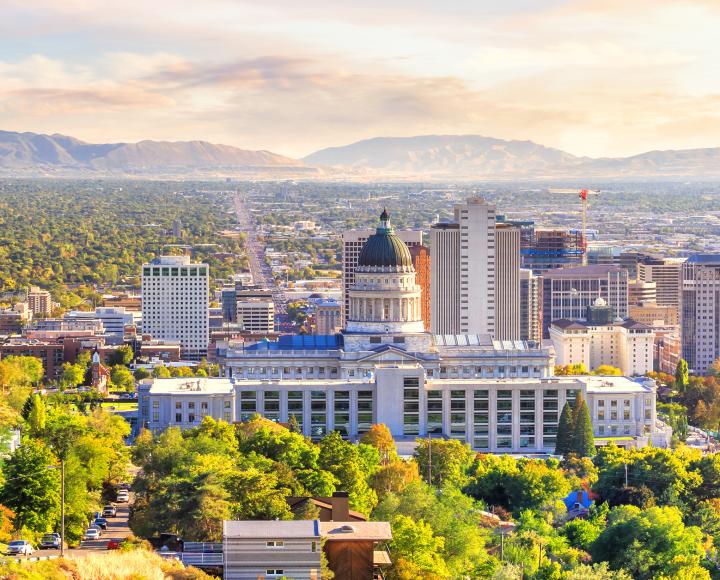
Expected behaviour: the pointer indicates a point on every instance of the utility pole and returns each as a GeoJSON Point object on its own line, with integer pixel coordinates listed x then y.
{"type": "Point", "coordinates": [626, 475]}
{"type": "Point", "coordinates": [62, 507]}
{"type": "Point", "coordinates": [429, 458]}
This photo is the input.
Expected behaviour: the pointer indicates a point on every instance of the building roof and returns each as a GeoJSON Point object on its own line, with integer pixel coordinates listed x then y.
{"type": "Point", "coordinates": [350, 531]}
{"type": "Point", "coordinates": [385, 249]}
{"type": "Point", "coordinates": [591, 271]}
{"type": "Point", "coordinates": [299, 342]}
{"type": "Point", "coordinates": [271, 529]}
{"type": "Point", "coordinates": [611, 385]}
{"type": "Point", "coordinates": [705, 259]}
{"type": "Point", "coordinates": [567, 324]}
{"type": "Point", "coordinates": [192, 386]}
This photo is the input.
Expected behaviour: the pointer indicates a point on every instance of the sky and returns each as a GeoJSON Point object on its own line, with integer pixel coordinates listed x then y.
{"type": "Point", "coordinates": [591, 77]}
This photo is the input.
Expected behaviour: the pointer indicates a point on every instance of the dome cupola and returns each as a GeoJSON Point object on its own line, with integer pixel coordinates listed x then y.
{"type": "Point", "coordinates": [384, 251]}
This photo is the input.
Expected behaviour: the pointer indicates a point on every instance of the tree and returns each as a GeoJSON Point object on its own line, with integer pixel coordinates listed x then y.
{"type": "Point", "coordinates": [72, 375]}
{"type": "Point", "coordinates": [395, 477]}
{"type": "Point", "coordinates": [566, 429]}
{"type": "Point", "coordinates": [583, 442]}
{"type": "Point", "coordinates": [414, 543]}
{"type": "Point", "coordinates": [607, 370]}
{"type": "Point", "coordinates": [37, 416]}
{"type": "Point", "coordinates": [123, 355]}
{"type": "Point", "coordinates": [443, 461]}
{"type": "Point", "coordinates": [32, 489]}
{"type": "Point", "coordinates": [651, 544]}
{"type": "Point", "coordinates": [141, 373]}
{"type": "Point", "coordinates": [681, 375]}
{"type": "Point", "coordinates": [294, 424]}
{"type": "Point", "coordinates": [379, 436]}
{"type": "Point", "coordinates": [122, 378]}
{"type": "Point", "coordinates": [161, 372]}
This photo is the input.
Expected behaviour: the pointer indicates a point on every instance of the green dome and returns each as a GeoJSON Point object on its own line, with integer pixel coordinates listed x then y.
{"type": "Point", "coordinates": [385, 249]}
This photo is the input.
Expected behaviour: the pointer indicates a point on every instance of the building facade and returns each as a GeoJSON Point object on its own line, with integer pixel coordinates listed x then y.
{"type": "Point", "coordinates": [700, 313]}
{"type": "Point", "coordinates": [256, 315]}
{"type": "Point", "coordinates": [547, 249]}
{"type": "Point", "coordinates": [507, 282]}
{"type": "Point", "coordinates": [666, 273]}
{"type": "Point", "coordinates": [421, 262]}
{"type": "Point", "coordinates": [567, 292]}
{"type": "Point", "coordinates": [445, 278]}
{"type": "Point", "coordinates": [175, 303]}
{"type": "Point", "coordinates": [498, 396]}
{"type": "Point", "coordinates": [328, 313]}
{"type": "Point", "coordinates": [530, 306]}
{"type": "Point", "coordinates": [39, 301]}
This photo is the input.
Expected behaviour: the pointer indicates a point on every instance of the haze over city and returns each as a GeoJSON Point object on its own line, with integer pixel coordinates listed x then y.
{"type": "Point", "coordinates": [590, 77]}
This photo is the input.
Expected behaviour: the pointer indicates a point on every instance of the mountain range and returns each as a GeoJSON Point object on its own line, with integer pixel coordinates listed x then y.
{"type": "Point", "coordinates": [428, 156]}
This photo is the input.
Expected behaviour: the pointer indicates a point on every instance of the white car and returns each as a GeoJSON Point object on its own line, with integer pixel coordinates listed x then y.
{"type": "Point", "coordinates": [92, 534]}
{"type": "Point", "coordinates": [123, 497]}
{"type": "Point", "coordinates": [20, 547]}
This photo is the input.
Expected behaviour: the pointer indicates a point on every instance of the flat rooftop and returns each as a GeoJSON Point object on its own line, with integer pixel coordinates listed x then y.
{"type": "Point", "coordinates": [192, 386]}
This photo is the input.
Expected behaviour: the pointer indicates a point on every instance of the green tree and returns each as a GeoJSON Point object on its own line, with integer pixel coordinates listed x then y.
{"type": "Point", "coordinates": [123, 355]}
{"type": "Point", "coordinates": [443, 461]}
{"type": "Point", "coordinates": [32, 488]}
{"type": "Point", "coordinates": [379, 436]}
{"type": "Point", "coordinates": [565, 432]}
{"type": "Point", "coordinates": [141, 373]}
{"type": "Point", "coordinates": [681, 375]}
{"type": "Point", "coordinates": [161, 372]}
{"type": "Point", "coordinates": [72, 375]}
{"type": "Point", "coordinates": [37, 416]}
{"type": "Point", "coordinates": [654, 543]}
{"type": "Point", "coordinates": [583, 442]}
{"type": "Point", "coordinates": [122, 378]}
{"type": "Point", "coordinates": [414, 543]}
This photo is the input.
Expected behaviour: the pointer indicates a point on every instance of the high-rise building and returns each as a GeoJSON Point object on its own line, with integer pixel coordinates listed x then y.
{"type": "Point", "coordinates": [700, 313]}
{"type": "Point", "coordinates": [421, 261]}
{"type": "Point", "coordinates": [256, 315]}
{"type": "Point", "coordinates": [39, 301]}
{"type": "Point", "coordinates": [476, 218]}
{"type": "Point", "coordinates": [666, 273]}
{"type": "Point", "coordinates": [228, 300]}
{"type": "Point", "coordinates": [530, 306]}
{"type": "Point", "coordinates": [114, 319]}
{"type": "Point", "coordinates": [567, 292]}
{"type": "Point", "coordinates": [353, 242]}
{"type": "Point", "coordinates": [641, 292]}
{"type": "Point", "coordinates": [507, 282]}
{"type": "Point", "coordinates": [547, 249]}
{"type": "Point", "coordinates": [175, 303]}
{"type": "Point", "coordinates": [327, 316]}
{"type": "Point", "coordinates": [445, 278]}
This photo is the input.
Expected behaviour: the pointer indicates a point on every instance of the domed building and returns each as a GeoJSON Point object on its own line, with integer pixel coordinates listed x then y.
{"type": "Point", "coordinates": [497, 396]}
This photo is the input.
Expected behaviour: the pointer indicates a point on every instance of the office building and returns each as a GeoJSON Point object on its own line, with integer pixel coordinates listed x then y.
{"type": "Point", "coordinates": [50, 352]}
{"type": "Point", "coordinates": [498, 396]}
{"type": "Point", "coordinates": [700, 313]}
{"type": "Point", "coordinates": [175, 303]}
{"type": "Point", "coordinates": [353, 242]}
{"type": "Point", "coordinates": [547, 249]}
{"type": "Point", "coordinates": [39, 301]}
{"type": "Point", "coordinates": [567, 292]}
{"type": "Point", "coordinates": [652, 314]}
{"type": "Point", "coordinates": [666, 273]}
{"type": "Point", "coordinates": [627, 345]}
{"type": "Point", "coordinates": [530, 306]}
{"type": "Point", "coordinates": [476, 218]}
{"type": "Point", "coordinates": [507, 282]}
{"type": "Point", "coordinates": [228, 300]}
{"type": "Point", "coordinates": [130, 302]}
{"type": "Point", "coordinates": [115, 320]}
{"type": "Point", "coordinates": [445, 278]}
{"type": "Point", "coordinates": [256, 315]}
{"type": "Point", "coordinates": [421, 262]}
{"type": "Point", "coordinates": [641, 292]}
{"type": "Point", "coordinates": [13, 320]}
{"type": "Point", "coordinates": [327, 316]}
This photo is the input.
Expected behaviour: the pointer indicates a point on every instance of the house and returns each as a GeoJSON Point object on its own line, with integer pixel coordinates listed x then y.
{"type": "Point", "coordinates": [254, 550]}
{"type": "Point", "coordinates": [263, 550]}
{"type": "Point", "coordinates": [578, 504]}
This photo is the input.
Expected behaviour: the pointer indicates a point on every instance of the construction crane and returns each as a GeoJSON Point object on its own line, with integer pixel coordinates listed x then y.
{"type": "Point", "coordinates": [583, 194]}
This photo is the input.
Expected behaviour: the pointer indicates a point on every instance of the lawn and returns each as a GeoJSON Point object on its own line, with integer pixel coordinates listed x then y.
{"type": "Point", "coordinates": [121, 405]}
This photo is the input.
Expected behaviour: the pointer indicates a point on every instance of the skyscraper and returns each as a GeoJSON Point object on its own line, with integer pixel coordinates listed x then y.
{"type": "Point", "coordinates": [666, 273]}
{"type": "Point", "coordinates": [530, 306]}
{"type": "Point", "coordinates": [175, 303]}
{"type": "Point", "coordinates": [700, 314]}
{"type": "Point", "coordinates": [507, 282]}
{"type": "Point", "coordinates": [476, 218]}
{"type": "Point", "coordinates": [567, 292]}
{"type": "Point", "coordinates": [445, 278]}
{"type": "Point", "coordinates": [353, 241]}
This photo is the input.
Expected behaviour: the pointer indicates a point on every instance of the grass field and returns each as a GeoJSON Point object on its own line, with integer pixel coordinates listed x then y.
{"type": "Point", "coordinates": [121, 406]}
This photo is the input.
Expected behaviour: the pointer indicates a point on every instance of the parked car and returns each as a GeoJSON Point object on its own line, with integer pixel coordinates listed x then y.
{"type": "Point", "coordinates": [94, 526]}
{"type": "Point", "coordinates": [92, 534]}
{"type": "Point", "coordinates": [50, 542]}
{"type": "Point", "coordinates": [124, 486]}
{"type": "Point", "coordinates": [101, 522]}
{"type": "Point", "coordinates": [123, 496]}
{"type": "Point", "coordinates": [113, 545]}
{"type": "Point", "coordinates": [108, 511]}
{"type": "Point", "coordinates": [20, 547]}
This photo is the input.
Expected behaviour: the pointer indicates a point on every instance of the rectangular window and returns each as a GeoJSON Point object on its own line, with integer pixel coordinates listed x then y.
{"type": "Point", "coordinates": [272, 405]}
{"type": "Point", "coordinates": [341, 417]}
{"type": "Point", "coordinates": [318, 413]}
{"type": "Point", "coordinates": [365, 411]}
{"type": "Point", "coordinates": [411, 406]}
{"type": "Point", "coordinates": [248, 404]}
{"type": "Point", "coordinates": [275, 544]}
{"type": "Point", "coordinates": [481, 415]}
{"type": "Point", "coordinates": [434, 412]}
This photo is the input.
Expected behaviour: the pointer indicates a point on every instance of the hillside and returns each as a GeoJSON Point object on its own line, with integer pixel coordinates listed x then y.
{"type": "Point", "coordinates": [33, 151]}
{"type": "Point", "coordinates": [474, 156]}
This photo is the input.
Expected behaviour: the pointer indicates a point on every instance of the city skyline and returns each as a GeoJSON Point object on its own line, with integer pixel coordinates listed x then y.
{"type": "Point", "coordinates": [582, 76]}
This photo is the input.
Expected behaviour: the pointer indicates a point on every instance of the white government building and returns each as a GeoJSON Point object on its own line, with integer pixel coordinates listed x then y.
{"type": "Point", "coordinates": [384, 368]}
